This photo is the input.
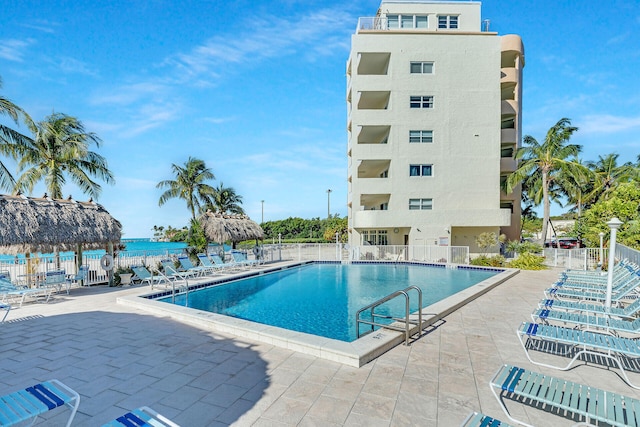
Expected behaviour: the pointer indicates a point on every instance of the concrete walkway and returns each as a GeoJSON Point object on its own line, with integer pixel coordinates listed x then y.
{"type": "Point", "coordinates": [119, 359]}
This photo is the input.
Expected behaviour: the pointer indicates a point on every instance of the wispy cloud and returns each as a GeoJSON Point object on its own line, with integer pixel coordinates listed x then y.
{"type": "Point", "coordinates": [15, 50]}
{"type": "Point", "coordinates": [41, 25]}
{"type": "Point", "coordinates": [130, 93]}
{"type": "Point", "coordinates": [219, 120]}
{"type": "Point", "coordinates": [606, 123]}
{"type": "Point", "coordinates": [620, 38]}
{"type": "Point", "coordinates": [320, 33]}
{"type": "Point", "coordinates": [75, 66]}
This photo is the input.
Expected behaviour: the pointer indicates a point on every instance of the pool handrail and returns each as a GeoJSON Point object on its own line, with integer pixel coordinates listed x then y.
{"type": "Point", "coordinates": [407, 320]}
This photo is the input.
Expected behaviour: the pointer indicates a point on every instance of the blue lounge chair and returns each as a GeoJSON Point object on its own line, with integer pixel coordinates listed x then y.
{"type": "Point", "coordinates": [228, 265]}
{"type": "Point", "coordinates": [609, 323]}
{"type": "Point", "coordinates": [76, 279]}
{"type": "Point", "coordinates": [173, 273]}
{"type": "Point", "coordinates": [628, 311]}
{"type": "Point", "coordinates": [241, 259]}
{"type": "Point", "coordinates": [6, 308]}
{"type": "Point", "coordinates": [560, 396]}
{"type": "Point", "coordinates": [601, 287]}
{"type": "Point", "coordinates": [188, 266]}
{"type": "Point", "coordinates": [477, 419]}
{"type": "Point", "coordinates": [205, 261]}
{"type": "Point", "coordinates": [10, 291]}
{"type": "Point", "coordinates": [627, 291]}
{"type": "Point", "coordinates": [34, 401]}
{"type": "Point", "coordinates": [56, 279]}
{"type": "Point", "coordinates": [144, 275]}
{"type": "Point", "coordinates": [141, 417]}
{"type": "Point", "coordinates": [575, 342]}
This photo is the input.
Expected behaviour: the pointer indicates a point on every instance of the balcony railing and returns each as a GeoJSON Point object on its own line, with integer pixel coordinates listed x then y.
{"type": "Point", "coordinates": [372, 24]}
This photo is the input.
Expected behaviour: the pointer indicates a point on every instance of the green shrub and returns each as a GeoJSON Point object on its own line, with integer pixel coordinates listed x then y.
{"type": "Point", "coordinates": [486, 261]}
{"type": "Point", "coordinates": [528, 261]}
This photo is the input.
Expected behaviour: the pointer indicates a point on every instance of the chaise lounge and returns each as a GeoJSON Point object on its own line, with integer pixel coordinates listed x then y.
{"type": "Point", "coordinates": [557, 396]}
{"type": "Point", "coordinates": [30, 403]}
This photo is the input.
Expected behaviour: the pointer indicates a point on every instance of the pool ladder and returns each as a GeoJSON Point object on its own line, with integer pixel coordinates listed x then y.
{"type": "Point", "coordinates": [408, 321]}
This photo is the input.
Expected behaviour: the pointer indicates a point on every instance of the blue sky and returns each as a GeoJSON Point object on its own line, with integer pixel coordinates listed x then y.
{"type": "Point", "coordinates": [257, 89]}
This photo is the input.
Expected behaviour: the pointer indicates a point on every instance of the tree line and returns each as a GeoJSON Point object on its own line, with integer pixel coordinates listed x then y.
{"type": "Point", "coordinates": [552, 171]}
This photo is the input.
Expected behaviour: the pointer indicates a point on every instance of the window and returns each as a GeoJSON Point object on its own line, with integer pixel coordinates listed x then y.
{"type": "Point", "coordinates": [422, 68]}
{"type": "Point", "coordinates": [421, 102]}
{"type": "Point", "coordinates": [421, 21]}
{"type": "Point", "coordinates": [420, 204]}
{"type": "Point", "coordinates": [420, 136]}
{"type": "Point", "coordinates": [420, 170]}
{"type": "Point", "coordinates": [407, 21]}
{"type": "Point", "coordinates": [448, 21]}
{"type": "Point", "coordinates": [374, 237]}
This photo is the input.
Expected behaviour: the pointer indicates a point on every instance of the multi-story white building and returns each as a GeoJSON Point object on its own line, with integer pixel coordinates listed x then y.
{"type": "Point", "coordinates": [433, 101]}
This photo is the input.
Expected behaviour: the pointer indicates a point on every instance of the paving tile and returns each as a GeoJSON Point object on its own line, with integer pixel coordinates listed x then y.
{"type": "Point", "coordinates": [119, 359]}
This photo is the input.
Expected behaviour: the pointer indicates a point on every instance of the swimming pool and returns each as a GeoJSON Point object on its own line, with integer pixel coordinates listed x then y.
{"type": "Point", "coordinates": [322, 299]}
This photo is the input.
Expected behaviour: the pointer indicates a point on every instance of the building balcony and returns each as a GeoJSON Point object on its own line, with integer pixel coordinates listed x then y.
{"type": "Point", "coordinates": [374, 202]}
{"type": "Point", "coordinates": [373, 100]}
{"type": "Point", "coordinates": [509, 108]}
{"type": "Point", "coordinates": [373, 23]}
{"type": "Point", "coordinates": [512, 50]}
{"type": "Point", "coordinates": [508, 76]}
{"type": "Point", "coordinates": [373, 134]}
{"type": "Point", "coordinates": [374, 63]}
{"type": "Point", "coordinates": [374, 168]}
{"type": "Point", "coordinates": [374, 219]}
{"type": "Point", "coordinates": [508, 136]}
{"type": "Point", "coordinates": [372, 186]}
{"type": "Point", "coordinates": [508, 164]}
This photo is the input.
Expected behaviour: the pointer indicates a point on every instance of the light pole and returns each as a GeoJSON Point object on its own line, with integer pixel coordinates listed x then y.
{"type": "Point", "coordinates": [329, 203]}
{"type": "Point", "coordinates": [262, 220]}
{"type": "Point", "coordinates": [601, 261]}
{"type": "Point", "coordinates": [613, 224]}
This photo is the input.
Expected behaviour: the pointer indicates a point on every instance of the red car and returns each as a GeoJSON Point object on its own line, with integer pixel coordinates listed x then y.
{"type": "Point", "coordinates": [564, 243]}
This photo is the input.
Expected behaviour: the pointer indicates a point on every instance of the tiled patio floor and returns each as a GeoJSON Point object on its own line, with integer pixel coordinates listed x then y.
{"type": "Point", "coordinates": [119, 359]}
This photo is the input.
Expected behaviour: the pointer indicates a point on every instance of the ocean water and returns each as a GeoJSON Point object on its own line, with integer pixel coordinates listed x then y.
{"type": "Point", "coordinates": [132, 245]}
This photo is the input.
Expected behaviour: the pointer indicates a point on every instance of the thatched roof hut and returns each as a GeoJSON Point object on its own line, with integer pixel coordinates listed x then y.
{"type": "Point", "coordinates": [235, 228]}
{"type": "Point", "coordinates": [31, 225]}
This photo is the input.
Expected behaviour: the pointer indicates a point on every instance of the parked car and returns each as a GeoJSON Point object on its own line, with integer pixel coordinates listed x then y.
{"type": "Point", "coordinates": [564, 243]}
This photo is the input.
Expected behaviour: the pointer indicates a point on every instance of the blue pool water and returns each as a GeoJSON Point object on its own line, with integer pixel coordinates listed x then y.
{"type": "Point", "coordinates": [322, 299]}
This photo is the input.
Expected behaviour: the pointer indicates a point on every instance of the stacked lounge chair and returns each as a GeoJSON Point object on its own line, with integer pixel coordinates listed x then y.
{"type": "Point", "coordinates": [587, 404]}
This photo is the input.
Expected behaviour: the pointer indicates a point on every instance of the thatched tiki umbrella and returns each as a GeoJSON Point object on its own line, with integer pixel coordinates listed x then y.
{"type": "Point", "coordinates": [32, 225]}
{"type": "Point", "coordinates": [235, 228]}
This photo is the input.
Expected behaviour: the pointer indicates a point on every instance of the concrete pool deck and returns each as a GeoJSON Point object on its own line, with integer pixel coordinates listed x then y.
{"type": "Point", "coordinates": [118, 358]}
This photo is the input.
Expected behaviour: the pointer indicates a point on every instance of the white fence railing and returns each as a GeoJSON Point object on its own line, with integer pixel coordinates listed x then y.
{"type": "Point", "coordinates": [22, 269]}
{"type": "Point", "coordinates": [624, 252]}
{"type": "Point", "coordinates": [343, 252]}
{"type": "Point", "coordinates": [587, 258]}
{"type": "Point", "coordinates": [578, 258]}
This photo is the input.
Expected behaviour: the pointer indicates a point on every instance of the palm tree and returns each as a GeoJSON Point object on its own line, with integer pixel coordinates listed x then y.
{"type": "Point", "coordinates": [226, 200]}
{"type": "Point", "coordinates": [607, 176]}
{"type": "Point", "coordinates": [8, 137]}
{"type": "Point", "coordinates": [59, 150]}
{"type": "Point", "coordinates": [190, 185]}
{"type": "Point", "coordinates": [546, 166]}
